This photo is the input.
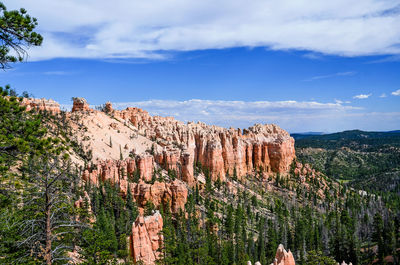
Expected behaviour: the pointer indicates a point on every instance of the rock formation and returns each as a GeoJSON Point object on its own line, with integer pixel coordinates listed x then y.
{"type": "Point", "coordinates": [41, 104]}
{"type": "Point", "coordinates": [146, 239]}
{"type": "Point", "coordinates": [108, 107]}
{"type": "Point", "coordinates": [154, 142]}
{"type": "Point", "coordinates": [283, 257]}
{"type": "Point", "coordinates": [118, 171]}
{"type": "Point", "coordinates": [344, 263]}
{"type": "Point", "coordinates": [181, 147]}
{"type": "Point", "coordinates": [85, 202]}
{"type": "Point", "coordinates": [174, 193]}
{"type": "Point", "coordinates": [80, 104]}
{"type": "Point", "coordinates": [222, 151]}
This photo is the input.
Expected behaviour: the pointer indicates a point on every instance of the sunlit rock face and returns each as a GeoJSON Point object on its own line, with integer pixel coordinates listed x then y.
{"type": "Point", "coordinates": [80, 104]}
{"type": "Point", "coordinates": [283, 257]}
{"type": "Point", "coordinates": [146, 240]}
{"type": "Point", "coordinates": [222, 151]}
{"type": "Point", "coordinates": [41, 104]}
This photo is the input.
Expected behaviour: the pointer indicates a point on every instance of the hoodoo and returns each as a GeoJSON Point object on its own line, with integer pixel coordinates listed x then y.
{"type": "Point", "coordinates": [146, 238]}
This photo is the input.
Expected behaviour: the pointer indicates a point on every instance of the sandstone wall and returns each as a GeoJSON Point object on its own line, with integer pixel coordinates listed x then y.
{"type": "Point", "coordinates": [222, 151]}
{"type": "Point", "coordinates": [117, 171]}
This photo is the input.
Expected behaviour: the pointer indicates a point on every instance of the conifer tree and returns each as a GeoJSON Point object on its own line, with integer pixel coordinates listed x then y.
{"type": "Point", "coordinates": [16, 35]}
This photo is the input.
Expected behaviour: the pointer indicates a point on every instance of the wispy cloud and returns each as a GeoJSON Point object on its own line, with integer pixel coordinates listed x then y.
{"type": "Point", "coordinates": [338, 101]}
{"type": "Point", "coordinates": [396, 93]}
{"type": "Point", "coordinates": [57, 73]}
{"type": "Point", "coordinates": [350, 73]}
{"type": "Point", "coordinates": [313, 56]}
{"type": "Point", "coordinates": [387, 59]}
{"type": "Point", "coordinates": [383, 95]}
{"type": "Point", "coordinates": [141, 29]}
{"type": "Point", "coordinates": [362, 96]}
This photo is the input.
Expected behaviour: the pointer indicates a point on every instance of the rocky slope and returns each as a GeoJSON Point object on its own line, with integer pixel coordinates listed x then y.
{"type": "Point", "coordinates": [177, 146]}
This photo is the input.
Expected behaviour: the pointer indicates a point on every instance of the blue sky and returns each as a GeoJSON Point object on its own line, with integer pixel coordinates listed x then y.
{"type": "Point", "coordinates": [306, 66]}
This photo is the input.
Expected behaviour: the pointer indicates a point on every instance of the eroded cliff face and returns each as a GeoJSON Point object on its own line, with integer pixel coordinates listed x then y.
{"type": "Point", "coordinates": [130, 142]}
{"type": "Point", "coordinates": [174, 145]}
{"type": "Point", "coordinates": [41, 104]}
{"type": "Point", "coordinates": [222, 151]}
{"type": "Point", "coordinates": [146, 238]}
{"type": "Point", "coordinates": [121, 172]}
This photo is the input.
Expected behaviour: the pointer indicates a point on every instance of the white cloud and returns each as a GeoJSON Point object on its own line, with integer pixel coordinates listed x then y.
{"type": "Point", "coordinates": [291, 115]}
{"type": "Point", "coordinates": [396, 93]}
{"type": "Point", "coordinates": [141, 29]}
{"type": "Point", "coordinates": [362, 96]}
{"type": "Point", "coordinates": [383, 95]}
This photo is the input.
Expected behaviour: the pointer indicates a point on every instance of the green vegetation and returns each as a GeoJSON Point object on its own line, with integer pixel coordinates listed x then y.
{"type": "Point", "coordinates": [367, 160]}
{"type": "Point", "coordinates": [16, 34]}
{"type": "Point", "coordinates": [106, 239]}
{"type": "Point", "coordinates": [339, 225]}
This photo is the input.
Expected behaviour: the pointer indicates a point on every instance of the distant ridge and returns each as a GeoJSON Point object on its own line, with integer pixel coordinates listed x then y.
{"type": "Point", "coordinates": [347, 139]}
{"type": "Point", "coordinates": [302, 135]}
{"type": "Point", "coordinates": [345, 135]}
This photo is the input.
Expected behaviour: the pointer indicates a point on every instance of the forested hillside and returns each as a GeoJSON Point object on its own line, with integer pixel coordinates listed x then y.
{"type": "Point", "coordinates": [369, 160]}
{"type": "Point", "coordinates": [221, 221]}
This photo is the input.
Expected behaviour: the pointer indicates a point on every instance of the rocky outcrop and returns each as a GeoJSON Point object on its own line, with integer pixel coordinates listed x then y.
{"type": "Point", "coordinates": [283, 257]}
{"type": "Point", "coordinates": [80, 104]}
{"type": "Point", "coordinates": [121, 172]}
{"type": "Point", "coordinates": [108, 107]}
{"type": "Point", "coordinates": [85, 203]}
{"type": "Point", "coordinates": [118, 171]}
{"type": "Point", "coordinates": [146, 238]}
{"type": "Point", "coordinates": [180, 147]}
{"type": "Point", "coordinates": [307, 175]}
{"type": "Point", "coordinates": [41, 104]}
{"type": "Point", "coordinates": [222, 151]}
{"type": "Point", "coordinates": [161, 193]}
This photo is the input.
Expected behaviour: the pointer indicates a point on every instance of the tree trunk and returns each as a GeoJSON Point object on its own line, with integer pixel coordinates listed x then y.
{"type": "Point", "coordinates": [47, 255]}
